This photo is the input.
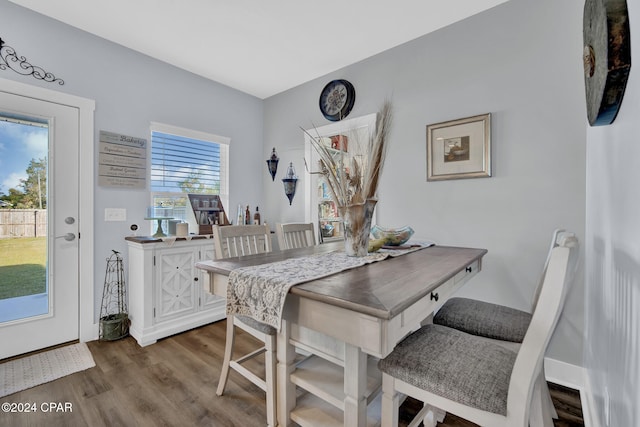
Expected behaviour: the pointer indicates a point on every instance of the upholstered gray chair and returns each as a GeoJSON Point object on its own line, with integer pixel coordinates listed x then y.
{"type": "Point", "coordinates": [492, 320]}
{"type": "Point", "coordinates": [504, 324]}
{"type": "Point", "coordinates": [241, 240]}
{"type": "Point", "coordinates": [476, 378]}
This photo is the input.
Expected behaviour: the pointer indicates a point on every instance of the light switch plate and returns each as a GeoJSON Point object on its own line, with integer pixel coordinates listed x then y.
{"type": "Point", "coordinates": [115, 214]}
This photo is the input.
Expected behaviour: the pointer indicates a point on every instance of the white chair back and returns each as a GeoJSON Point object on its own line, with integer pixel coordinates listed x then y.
{"type": "Point", "coordinates": [240, 240]}
{"type": "Point", "coordinates": [295, 235]}
{"type": "Point", "coordinates": [557, 280]}
{"type": "Point", "coordinates": [558, 235]}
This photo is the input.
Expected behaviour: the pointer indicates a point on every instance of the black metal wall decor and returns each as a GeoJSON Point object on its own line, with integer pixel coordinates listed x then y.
{"type": "Point", "coordinates": [607, 58]}
{"type": "Point", "coordinates": [9, 59]}
{"type": "Point", "coordinates": [290, 181]}
{"type": "Point", "coordinates": [272, 164]}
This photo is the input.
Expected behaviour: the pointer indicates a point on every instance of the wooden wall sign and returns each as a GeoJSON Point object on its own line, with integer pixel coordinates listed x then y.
{"type": "Point", "coordinates": [607, 58]}
{"type": "Point", "coordinates": [122, 161]}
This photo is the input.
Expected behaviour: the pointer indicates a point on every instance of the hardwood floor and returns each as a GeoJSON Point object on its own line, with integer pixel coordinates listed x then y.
{"type": "Point", "coordinates": [172, 383]}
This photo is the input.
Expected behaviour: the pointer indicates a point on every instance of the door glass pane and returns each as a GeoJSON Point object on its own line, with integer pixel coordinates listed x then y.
{"type": "Point", "coordinates": [24, 290]}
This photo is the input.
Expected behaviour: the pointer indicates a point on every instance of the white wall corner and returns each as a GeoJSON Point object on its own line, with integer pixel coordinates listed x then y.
{"type": "Point", "coordinates": [90, 333]}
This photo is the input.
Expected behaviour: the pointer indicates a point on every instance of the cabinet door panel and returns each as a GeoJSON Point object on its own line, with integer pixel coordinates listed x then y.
{"type": "Point", "coordinates": [176, 294]}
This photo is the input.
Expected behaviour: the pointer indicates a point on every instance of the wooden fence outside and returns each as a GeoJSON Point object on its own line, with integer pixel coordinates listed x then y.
{"type": "Point", "coordinates": [23, 223]}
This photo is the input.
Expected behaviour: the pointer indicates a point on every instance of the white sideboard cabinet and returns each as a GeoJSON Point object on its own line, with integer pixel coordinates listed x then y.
{"type": "Point", "coordinates": [166, 294]}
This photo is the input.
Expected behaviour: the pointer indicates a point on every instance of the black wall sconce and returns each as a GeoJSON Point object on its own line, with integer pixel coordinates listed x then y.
{"type": "Point", "coordinates": [290, 181]}
{"type": "Point", "coordinates": [272, 164]}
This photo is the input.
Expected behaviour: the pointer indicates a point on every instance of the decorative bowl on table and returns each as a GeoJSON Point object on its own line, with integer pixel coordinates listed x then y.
{"type": "Point", "coordinates": [327, 230]}
{"type": "Point", "coordinates": [392, 236]}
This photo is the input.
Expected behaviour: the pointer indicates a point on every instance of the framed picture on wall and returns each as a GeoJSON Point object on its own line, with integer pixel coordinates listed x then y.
{"type": "Point", "coordinates": [459, 148]}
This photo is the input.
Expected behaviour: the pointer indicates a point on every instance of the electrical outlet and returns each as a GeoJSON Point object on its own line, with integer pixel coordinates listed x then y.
{"type": "Point", "coordinates": [607, 411]}
{"type": "Point", "coordinates": [115, 214]}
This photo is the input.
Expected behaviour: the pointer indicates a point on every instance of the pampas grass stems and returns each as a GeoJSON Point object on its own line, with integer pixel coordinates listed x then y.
{"type": "Point", "coordinates": [360, 182]}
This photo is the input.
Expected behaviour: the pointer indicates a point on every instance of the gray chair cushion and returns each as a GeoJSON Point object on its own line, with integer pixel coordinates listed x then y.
{"type": "Point", "coordinates": [484, 319]}
{"type": "Point", "coordinates": [262, 327]}
{"type": "Point", "coordinates": [458, 366]}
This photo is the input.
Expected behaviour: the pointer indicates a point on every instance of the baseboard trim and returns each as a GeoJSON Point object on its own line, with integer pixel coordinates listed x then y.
{"type": "Point", "coordinates": [564, 373]}
{"type": "Point", "coordinates": [575, 377]}
{"type": "Point", "coordinates": [586, 397]}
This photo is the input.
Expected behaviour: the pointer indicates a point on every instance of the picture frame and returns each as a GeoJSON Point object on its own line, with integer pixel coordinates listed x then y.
{"type": "Point", "coordinates": [459, 149]}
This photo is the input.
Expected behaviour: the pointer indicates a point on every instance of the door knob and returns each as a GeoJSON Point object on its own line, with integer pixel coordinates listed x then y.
{"type": "Point", "coordinates": [69, 237]}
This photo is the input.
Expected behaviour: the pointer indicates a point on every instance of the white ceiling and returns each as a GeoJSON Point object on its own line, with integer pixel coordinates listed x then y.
{"type": "Point", "coordinates": [261, 47]}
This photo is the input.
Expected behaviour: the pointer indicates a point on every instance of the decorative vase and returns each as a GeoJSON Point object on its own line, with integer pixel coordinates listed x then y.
{"type": "Point", "coordinates": [357, 225]}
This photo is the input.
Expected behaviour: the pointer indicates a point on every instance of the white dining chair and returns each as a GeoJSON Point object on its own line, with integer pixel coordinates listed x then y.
{"type": "Point", "coordinates": [504, 324]}
{"type": "Point", "coordinates": [473, 377]}
{"type": "Point", "coordinates": [295, 235]}
{"type": "Point", "coordinates": [241, 240]}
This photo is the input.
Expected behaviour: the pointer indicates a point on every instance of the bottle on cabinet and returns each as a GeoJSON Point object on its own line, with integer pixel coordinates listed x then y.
{"type": "Point", "coordinates": [256, 217]}
{"type": "Point", "coordinates": [240, 216]}
{"type": "Point", "coordinates": [247, 216]}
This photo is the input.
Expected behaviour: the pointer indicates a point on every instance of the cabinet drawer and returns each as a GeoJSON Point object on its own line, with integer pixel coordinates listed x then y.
{"type": "Point", "coordinates": [467, 273]}
{"type": "Point", "coordinates": [444, 291]}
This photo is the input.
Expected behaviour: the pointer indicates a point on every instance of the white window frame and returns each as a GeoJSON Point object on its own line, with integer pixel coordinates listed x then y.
{"type": "Point", "coordinates": [224, 143]}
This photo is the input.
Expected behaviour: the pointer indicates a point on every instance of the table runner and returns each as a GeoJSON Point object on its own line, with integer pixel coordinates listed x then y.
{"type": "Point", "coordinates": [260, 291]}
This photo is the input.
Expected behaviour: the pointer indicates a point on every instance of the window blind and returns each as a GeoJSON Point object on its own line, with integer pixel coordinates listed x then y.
{"type": "Point", "coordinates": [183, 164]}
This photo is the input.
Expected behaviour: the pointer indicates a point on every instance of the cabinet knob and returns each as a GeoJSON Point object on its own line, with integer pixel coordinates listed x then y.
{"type": "Point", "coordinates": [469, 269]}
{"type": "Point", "coordinates": [434, 296]}
{"type": "Point", "coordinates": [195, 279]}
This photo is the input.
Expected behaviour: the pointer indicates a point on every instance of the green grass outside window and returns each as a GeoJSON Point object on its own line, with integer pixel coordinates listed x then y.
{"type": "Point", "coordinates": [23, 266]}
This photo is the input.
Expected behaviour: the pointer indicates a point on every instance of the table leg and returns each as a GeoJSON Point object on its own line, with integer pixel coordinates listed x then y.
{"type": "Point", "coordinates": [355, 382]}
{"type": "Point", "coordinates": [286, 389]}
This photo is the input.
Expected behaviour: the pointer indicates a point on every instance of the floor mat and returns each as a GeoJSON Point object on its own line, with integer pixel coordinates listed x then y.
{"type": "Point", "coordinates": [40, 368]}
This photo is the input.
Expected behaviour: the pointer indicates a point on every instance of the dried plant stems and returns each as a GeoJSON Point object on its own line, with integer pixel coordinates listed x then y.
{"type": "Point", "coordinates": [359, 182]}
{"type": "Point", "coordinates": [378, 151]}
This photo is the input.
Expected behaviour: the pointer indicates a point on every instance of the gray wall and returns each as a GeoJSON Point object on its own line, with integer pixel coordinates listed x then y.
{"type": "Point", "coordinates": [520, 61]}
{"type": "Point", "coordinates": [613, 255]}
{"type": "Point", "coordinates": [131, 90]}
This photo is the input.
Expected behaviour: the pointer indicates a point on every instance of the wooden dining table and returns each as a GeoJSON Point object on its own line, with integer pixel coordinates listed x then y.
{"type": "Point", "coordinates": [345, 322]}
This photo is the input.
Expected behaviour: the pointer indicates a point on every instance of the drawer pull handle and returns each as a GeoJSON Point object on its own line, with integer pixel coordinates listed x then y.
{"type": "Point", "coordinates": [469, 269]}
{"type": "Point", "coordinates": [434, 296]}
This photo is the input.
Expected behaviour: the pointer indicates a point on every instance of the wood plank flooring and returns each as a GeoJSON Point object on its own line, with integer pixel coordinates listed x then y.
{"type": "Point", "coordinates": [172, 383]}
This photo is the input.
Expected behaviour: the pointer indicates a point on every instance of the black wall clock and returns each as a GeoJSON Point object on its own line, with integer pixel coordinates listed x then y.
{"type": "Point", "coordinates": [607, 58]}
{"type": "Point", "coordinates": [336, 99]}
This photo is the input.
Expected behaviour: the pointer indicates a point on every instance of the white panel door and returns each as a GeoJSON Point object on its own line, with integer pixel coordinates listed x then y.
{"type": "Point", "coordinates": [58, 321]}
